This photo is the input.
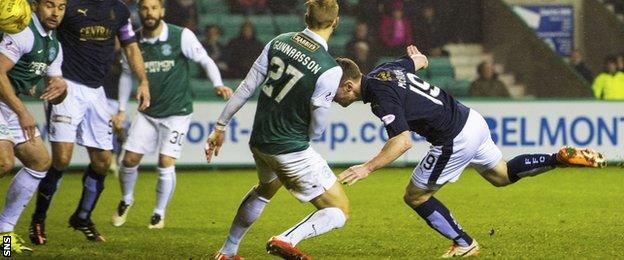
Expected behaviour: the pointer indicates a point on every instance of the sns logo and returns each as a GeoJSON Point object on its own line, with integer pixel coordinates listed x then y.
{"type": "Point", "coordinates": [6, 246]}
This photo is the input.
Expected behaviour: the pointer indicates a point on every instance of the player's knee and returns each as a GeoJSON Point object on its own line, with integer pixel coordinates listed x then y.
{"type": "Point", "coordinates": [130, 161]}
{"type": "Point", "coordinates": [41, 164]}
{"type": "Point", "coordinates": [6, 165]}
{"type": "Point", "coordinates": [101, 166]}
{"type": "Point", "coordinates": [61, 162]}
{"type": "Point", "coordinates": [414, 200]}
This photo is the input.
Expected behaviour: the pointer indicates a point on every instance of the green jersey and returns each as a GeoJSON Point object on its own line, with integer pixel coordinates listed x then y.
{"type": "Point", "coordinates": [283, 114]}
{"type": "Point", "coordinates": [167, 70]}
{"type": "Point", "coordinates": [33, 51]}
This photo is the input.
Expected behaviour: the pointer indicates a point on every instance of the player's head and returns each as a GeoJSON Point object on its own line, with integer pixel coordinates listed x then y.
{"type": "Point", "coordinates": [151, 13]}
{"type": "Point", "coordinates": [321, 14]}
{"type": "Point", "coordinates": [14, 15]}
{"type": "Point", "coordinates": [350, 88]}
{"type": "Point", "coordinates": [50, 12]}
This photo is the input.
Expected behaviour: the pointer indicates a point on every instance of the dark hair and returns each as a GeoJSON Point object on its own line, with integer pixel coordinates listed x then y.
{"type": "Point", "coordinates": [610, 59]}
{"type": "Point", "coordinates": [350, 70]}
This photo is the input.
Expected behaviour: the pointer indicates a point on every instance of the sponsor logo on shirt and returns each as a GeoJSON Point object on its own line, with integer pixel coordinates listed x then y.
{"type": "Point", "coordinates": [384, 76]}
{"type": "Point", "coordinates": [305, 42]}
{"type": "Point", "coordinates": [159, 66]}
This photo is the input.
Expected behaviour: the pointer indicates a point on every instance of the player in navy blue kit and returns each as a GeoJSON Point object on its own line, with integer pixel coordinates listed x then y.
{"type": "Point", "coordinates": [459, 136]}
{"type": "Point", "coordinates": [87, 34]}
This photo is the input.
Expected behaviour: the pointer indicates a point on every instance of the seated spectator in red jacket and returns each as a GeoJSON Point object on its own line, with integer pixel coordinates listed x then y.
{"type": "Point", "coordinates": [242, 51]}
{"type": "Point", "coordinates": [488, 84]}
{"type": "Point", "coordinates": [395, 31]}
{"type": "Point", "coordinates": [182, 13]}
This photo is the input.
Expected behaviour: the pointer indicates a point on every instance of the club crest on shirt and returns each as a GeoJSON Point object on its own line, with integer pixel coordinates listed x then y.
{"type": "Point", "coordinates": [166, 49]}
{"type": "Point", "coordinates": [384, 76]}
{"type": "Point", "coordinates": [51, 54]}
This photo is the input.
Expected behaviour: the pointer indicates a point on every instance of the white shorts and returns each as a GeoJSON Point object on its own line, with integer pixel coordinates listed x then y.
{"type": "Point", "coordinates": [10, 128]}
{"type": "Point", "coordinates": [148, 134]}
{"type": "Point", "coordinates": [305, 174]}
{"type": "Point", "coordinates": [84, 117]}
{"type": "Point", "coordinates": [445, 163]}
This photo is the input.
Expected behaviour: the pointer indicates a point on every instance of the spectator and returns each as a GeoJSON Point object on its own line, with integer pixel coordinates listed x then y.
{"type": "Point", "coordinates": [362, 56]}
{"type": "Point", "coordinates": [488, 84]}
{"type": "Point", "coordinates": [429, 32]}
{"type": "Point", "coordinates": [243, 51]}
{"type": "Point", "coordinates": [576, 60]}
{"type": "Point", "coordinates": [609, 84]}
{"type": "Point", "coordinates": [182, 13]}
{"type": "Point", "coordinates": [249, 7]}
{"type": "Point", "coordinates": [395, 31]}
{"type": "Point", "coordinates": [360, 34]}
{"type": "Point", "coordinates": [620, 61]}
{"type": "Point", "coordinates": [216, 50]}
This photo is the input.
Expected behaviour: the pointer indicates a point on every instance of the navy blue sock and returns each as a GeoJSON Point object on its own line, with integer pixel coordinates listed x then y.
{"type": "Point", "coordinates": [439, 218]}
{"type": "Point", "coordinates": [93, 185]}
{"type": "Point", "coordinates": [47, 189]}
{"type": "Point", "coordinates": [530, 165]}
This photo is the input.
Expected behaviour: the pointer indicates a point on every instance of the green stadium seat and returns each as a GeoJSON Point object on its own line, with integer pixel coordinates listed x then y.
{"type": "Point", "coordinates": [441, 67]}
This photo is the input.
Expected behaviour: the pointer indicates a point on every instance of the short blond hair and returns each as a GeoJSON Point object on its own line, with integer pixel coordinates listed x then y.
{"type": "Point", "coordinates": [321, 13]}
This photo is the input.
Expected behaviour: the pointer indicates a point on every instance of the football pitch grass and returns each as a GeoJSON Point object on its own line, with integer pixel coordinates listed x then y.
{"type": "Point", "coordinates": [566, 213]}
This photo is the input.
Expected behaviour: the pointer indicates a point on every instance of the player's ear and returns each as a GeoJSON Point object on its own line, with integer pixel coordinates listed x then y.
{"type": "Point", "coordinates": [335, 22]}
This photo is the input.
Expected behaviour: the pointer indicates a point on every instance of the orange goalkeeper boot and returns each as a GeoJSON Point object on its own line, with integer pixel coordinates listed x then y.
{"type": "Point", "coordinates": [285, 250]}
{"type": "Point", "coordinates": [581, 157]}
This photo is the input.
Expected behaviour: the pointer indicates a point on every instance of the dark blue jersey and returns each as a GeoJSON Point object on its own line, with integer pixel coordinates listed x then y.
{"type": "Point", "coordinates": [404, 102]}
{"type": "Point", "coordinates": [87, 34]}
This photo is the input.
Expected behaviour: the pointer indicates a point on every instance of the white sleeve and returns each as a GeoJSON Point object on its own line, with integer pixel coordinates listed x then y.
{"type": "Point", "coordinates": [193, 50]}
{"type": "Point", "coordinates": [54, 70]}
{"type": "Point", "coordinates": [322, 98]}
{"type": "Point", "coordinates": [125, 84]}
{"type": "Point", "coordinates": [326, 87]}
{"type": "Point", "coordinates": [14, 46]}
{"type": "Point", "coordinates": [247, 87]}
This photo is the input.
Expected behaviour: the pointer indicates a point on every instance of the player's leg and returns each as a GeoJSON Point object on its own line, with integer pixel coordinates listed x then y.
{"type": "Point", "coordinates": [63, 120]}
{"type": "Point", "coordinates": [164, 189]}
{"type": "Point", "coordinates": [440, 219]}
{"type": "Point", "coordinates": [36, 161]}
{"type": "Point", "coordinates": [251, 207]}
{"type": "Point", "coordinates": [142, 139]}
{"type": "Point", "coordinates": [128, 175]}
{"type": "Point", "coordinates": [308, 177]}
{"type": "Point", "coordinates": [172, 132]}
{"type": "Point", "coordinates": [96, 135]}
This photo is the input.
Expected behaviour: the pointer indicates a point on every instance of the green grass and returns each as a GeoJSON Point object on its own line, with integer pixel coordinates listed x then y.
{"type": "Point", "coordinates": [567, 213]}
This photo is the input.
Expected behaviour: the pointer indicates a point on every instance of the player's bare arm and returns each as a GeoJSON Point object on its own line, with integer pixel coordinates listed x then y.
{"type": "Point", "coordinates": [135, 60]}
{"type": "Point", "coordinates": [8, 96]}
{"type": "Point", "coordinates": [394, 148]}
{"type": "Point", "coordinates": [56, 87]}
{"type": "Point", "coordinates": [420, 60]}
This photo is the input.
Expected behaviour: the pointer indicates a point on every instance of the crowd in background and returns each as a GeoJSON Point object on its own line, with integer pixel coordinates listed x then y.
{"type": "Point", "coordinates": [383, 27]}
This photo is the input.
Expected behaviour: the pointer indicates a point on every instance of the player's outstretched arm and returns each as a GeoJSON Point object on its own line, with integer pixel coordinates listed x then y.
{"type": "Point", "coordinates": [394, 148]}
{"type": "Point", "coordinates": [420, 60]}
{"type": "Point", "coordinates": [133, 53]}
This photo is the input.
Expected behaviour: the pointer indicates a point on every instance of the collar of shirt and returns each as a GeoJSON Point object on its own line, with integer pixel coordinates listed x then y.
{"type": "Point", "coordinates": [39, 27]}
{"type": "Point", "coordinates": [164, 35]}
{"type": "Point", "coordinates": [315, 37]}
{"type": "Point", "coordinates": [364, 89]}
